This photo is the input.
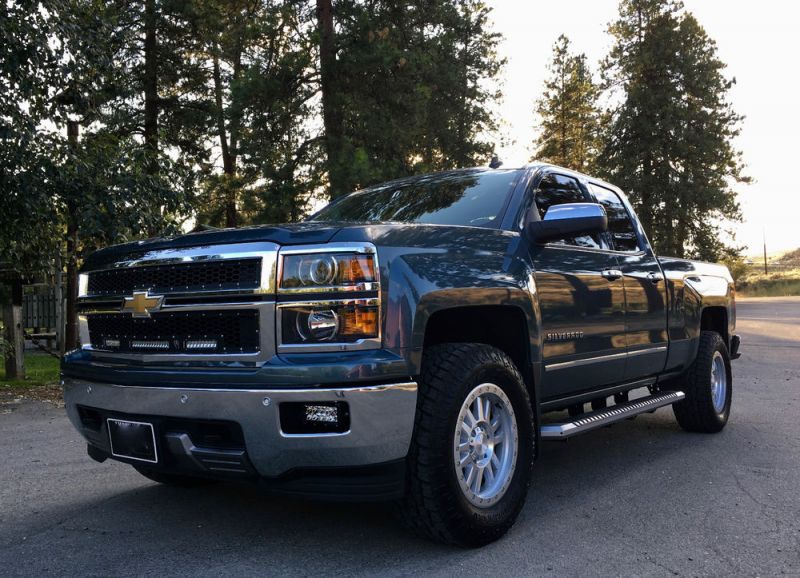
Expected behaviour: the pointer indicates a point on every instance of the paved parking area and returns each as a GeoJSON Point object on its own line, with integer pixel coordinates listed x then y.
{"type": "Point", "coordinates": [640, 498]}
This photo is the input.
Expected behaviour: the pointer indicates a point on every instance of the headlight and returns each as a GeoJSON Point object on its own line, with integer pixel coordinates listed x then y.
{"type": "Point", "coordinates": [309, 321]}
{"type": "Point", "coordinates": [83, 284]}
{"type": "Point", "coordinates": [327, 272]}
{"type": "Point", "coordinates": [352, 321]}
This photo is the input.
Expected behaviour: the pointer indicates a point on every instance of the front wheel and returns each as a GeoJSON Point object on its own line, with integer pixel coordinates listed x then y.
{"type": "Point", "coordinates": [708, 386]}
{"type": "Point", "coordinates": [471, 456]}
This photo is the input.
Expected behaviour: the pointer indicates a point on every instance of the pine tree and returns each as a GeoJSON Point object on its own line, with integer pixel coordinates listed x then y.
{"type": "Point", "coordinates": [410, 87]}
{"type": "Point", "coordinates": [569, 112]}
{"type": "Point", "coordinates": [257, 85]}
{"type": "Point", "coordinates": [670, 139]}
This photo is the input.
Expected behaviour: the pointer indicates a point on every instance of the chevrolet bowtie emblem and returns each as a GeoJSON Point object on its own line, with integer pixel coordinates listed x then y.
{"type": "Point", "coordinates": [141, 304]}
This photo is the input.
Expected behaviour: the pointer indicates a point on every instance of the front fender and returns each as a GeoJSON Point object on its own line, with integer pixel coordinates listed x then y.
{"type": "Point", "coordinates": [422, 282]}
{"type": "Point", "coordinates": [694, 286]}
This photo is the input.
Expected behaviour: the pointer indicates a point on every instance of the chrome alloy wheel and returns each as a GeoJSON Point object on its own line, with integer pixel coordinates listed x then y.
{"type": "Point", "coordinates": [485, 445]}
{"type": "Point", "coordinates": [719, 382]}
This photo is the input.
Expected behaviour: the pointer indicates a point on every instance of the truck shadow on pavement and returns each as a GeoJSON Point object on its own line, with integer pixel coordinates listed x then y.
{"type": "Point", "coordinates": [239, 529]}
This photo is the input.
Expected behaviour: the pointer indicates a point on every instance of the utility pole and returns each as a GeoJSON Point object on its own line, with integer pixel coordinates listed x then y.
{"type": "Point", "coordinates": [764, 233]}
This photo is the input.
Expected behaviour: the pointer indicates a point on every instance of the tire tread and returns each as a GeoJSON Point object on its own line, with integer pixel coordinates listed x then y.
{"type": "Point", "coordinates": [695, 413]}
{"type": "Point", "coordinates": [422, 509]}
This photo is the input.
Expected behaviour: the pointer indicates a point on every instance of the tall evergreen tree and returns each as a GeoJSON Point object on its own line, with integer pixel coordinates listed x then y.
{"type": "Point", "coordinates": [255, 57]}
{"type": "Point", "coordinates": [569, 113]}
{"type": "Point", "coordinates": [670, 141]}
{"type": "Point", "coordinates": [409, 87]}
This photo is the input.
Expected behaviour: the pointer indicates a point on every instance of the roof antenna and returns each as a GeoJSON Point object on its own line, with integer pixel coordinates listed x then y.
{"type": "Point", "coordinates": [495, 163]}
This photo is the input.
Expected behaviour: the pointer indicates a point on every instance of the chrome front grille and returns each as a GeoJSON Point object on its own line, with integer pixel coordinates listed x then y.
{"type": "Point", "coordinates": [222, 275]}
{"type": "Point", "coordinates": [214, 303]}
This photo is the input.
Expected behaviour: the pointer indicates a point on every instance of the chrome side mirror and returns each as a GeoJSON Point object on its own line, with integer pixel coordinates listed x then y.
{"type": "Point", "coordinates": [567, 220]}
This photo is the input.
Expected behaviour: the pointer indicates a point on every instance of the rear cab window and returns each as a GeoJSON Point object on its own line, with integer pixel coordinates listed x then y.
{"type": "Point", "coordinates": [621, 231]}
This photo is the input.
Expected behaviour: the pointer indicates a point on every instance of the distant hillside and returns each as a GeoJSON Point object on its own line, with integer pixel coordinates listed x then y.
{"type": "Point", "coordinates": [790, 258]}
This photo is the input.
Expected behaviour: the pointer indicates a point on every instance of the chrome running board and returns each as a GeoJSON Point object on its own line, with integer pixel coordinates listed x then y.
{"type": "Point", "coordinates": [603, 417]}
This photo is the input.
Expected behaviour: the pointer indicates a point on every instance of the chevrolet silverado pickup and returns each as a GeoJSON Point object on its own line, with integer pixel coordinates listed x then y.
{"type": "Point", "coordinates": [415, 341]}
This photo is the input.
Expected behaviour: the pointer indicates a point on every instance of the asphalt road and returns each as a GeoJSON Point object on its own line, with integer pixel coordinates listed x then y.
{"type": "Point", "coordinates": [640, 498]}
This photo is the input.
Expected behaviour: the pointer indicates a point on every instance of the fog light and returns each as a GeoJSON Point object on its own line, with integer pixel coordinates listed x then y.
{"type": "Point", "coordinates": [111, 343]}
{"type": "Point", "coordinates": [322, 413]}
{"type": "Point", "coordinates": [318, 417]}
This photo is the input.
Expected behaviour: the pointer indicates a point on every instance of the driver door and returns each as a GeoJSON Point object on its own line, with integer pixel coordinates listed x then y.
{"type": "Point", "coordinates": [582, 301]}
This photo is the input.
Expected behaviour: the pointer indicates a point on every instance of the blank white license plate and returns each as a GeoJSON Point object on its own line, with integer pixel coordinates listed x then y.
{"type": "Point", "coordinates": [135, 440]}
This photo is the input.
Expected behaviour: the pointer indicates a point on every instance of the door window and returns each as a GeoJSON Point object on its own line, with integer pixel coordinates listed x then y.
{"type": "Point", "coordinates": [555, 189]}
{"type": "Point", "coordinates": [620, 225]}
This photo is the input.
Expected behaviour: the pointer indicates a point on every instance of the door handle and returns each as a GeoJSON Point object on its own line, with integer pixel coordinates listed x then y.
{"type": "Point", "coordinates": [611, 274]}
{"type": "Point", "coordinates": [655, 277]}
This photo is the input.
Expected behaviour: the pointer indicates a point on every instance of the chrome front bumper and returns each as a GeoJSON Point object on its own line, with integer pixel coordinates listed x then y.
{"type": "Point", "coordinates": [381, 419]}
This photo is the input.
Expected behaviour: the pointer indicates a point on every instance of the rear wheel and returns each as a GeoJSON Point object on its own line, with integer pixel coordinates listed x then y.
{"type": "Point", "coordinates": [472, 452]}
{"type": "Point", "coordinates": [708, 386]}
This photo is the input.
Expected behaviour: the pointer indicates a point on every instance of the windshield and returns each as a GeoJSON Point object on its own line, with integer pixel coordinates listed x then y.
{"type": "Point", "coordinates": [473, 198]}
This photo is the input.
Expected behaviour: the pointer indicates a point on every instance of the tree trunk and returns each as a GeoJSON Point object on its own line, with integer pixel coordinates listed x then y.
{"type": "Point", "coordinates": [71, 314]}
{"type": "Point", "coordinates": [12, 320]}
{"type": "Point", "coordinates": [228, 159]}
{"type": "Point", "coordinates": [150, 87]}
{"type": "Point", "coordinates": [59, 296]}
{"type": "Point", "coordinates": [331, 108]}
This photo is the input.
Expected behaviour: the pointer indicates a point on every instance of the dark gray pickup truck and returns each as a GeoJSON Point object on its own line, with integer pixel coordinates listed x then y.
{"type": "Point", "coordinates": [415, 341]}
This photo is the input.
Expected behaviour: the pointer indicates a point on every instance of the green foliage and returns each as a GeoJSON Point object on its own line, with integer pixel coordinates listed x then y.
{"type": "Point", "coordinates": [737, 266]}
{"type": "Point", "coordinates": [569, 112]}
{"type": "Point", "coordinates": [411, 87]}
{"type": "Point", "coordinates": [254, 85]}
{"type": "Point", "coordinates": [29, 67]}
{"type": "Point", "coordinates": [670, 138]}
{"type": "Point", "coordinates": [66, 63]}
{"type": "Point", "coordinates": [210, 108]}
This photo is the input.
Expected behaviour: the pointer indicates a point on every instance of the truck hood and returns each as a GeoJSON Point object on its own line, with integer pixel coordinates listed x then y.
{"type": "Point", "coordinates": [675, 267]}
{"type": "Point", "coordinates": [285, 234]}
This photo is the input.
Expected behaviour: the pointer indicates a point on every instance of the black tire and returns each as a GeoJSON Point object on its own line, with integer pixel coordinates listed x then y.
{"type": "Point", "coordinates": [696, 413]}
{"type": "Point", "coordinates": [434, 505]}
{"type": "Point", "coordinates": [173, 479]}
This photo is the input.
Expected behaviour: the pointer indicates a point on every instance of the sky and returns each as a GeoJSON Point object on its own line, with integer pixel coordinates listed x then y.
{"type": "Point", "coordinates": [760, 44]}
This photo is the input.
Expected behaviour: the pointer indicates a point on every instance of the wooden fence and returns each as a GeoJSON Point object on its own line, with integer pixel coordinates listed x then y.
{"type": "Point", "coordinates": [39, 311]}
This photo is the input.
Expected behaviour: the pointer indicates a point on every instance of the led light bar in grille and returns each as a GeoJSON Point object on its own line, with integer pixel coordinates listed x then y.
{"type": "Point", "coordinates": [149, 345]}
{"type": "Point", "coordinates": [200, 344]}
{"type": "Point", "coordinates": [198, 332]}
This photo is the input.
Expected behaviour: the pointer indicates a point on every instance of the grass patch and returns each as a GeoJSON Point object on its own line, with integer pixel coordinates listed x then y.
{"type": "Point", "coordinates": [780, 281]}
{"type": "Point", "coordinates": [40, 369]}
{"type": "Point", "coordinates": [769, 288]}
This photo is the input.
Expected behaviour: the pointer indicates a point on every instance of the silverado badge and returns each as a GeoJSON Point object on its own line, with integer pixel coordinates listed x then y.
{"type": "Point", "coordinates": [142, 304]}
{"type": "Point", "coordinates": [563, 335]}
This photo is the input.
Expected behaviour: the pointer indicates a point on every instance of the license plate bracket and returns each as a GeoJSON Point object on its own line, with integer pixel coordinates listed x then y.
{"type": "Point", "coordinates": [133, 440]}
